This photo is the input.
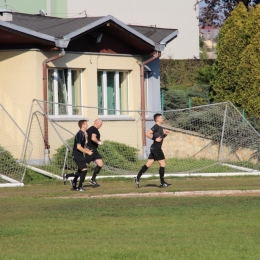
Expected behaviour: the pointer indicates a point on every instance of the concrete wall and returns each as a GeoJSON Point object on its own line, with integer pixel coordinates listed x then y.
{"type": "Point", "coordinates": [181, 144]}
{"type": "Point", "coordinates": [176, 14]}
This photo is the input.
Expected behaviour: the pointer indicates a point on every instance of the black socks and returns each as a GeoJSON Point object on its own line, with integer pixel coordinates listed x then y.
{"type": "Point", "coordinates": [161, 172]}
{"type": "Point", "coordinates": [96, 172]}
{"type": "Point", "coordinates": [141, 172]}
{"type": "Point", "coordinates": [74, 174]}
{"type": "Point", "coordinates": [82, 178]}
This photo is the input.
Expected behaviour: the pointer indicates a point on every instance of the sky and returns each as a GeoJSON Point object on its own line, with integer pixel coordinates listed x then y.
{"type": "Point", "coordinates": [202, 4]}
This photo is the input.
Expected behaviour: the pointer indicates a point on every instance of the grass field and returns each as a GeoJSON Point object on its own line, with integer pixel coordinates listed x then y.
{"type": "Point", "coordinates": [47, 220]}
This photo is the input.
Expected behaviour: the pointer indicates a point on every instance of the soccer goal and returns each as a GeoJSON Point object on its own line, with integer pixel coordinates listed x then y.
{"type": "Point", "coordinates": [12, 157]}
{"type": "Point", "coordinates": [205, 140]}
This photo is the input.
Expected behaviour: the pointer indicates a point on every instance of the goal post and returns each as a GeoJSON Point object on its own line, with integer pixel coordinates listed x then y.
{"type": "Point", "coordinates": [205, 139]}
{"type": "Point", "coordinates": [12, 159]}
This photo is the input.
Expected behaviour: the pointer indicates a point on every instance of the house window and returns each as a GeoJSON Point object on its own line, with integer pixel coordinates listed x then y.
{"type": "Point", "coordinates": [64, 90]}
{"type": "Point", "coordinates": [112, 92]}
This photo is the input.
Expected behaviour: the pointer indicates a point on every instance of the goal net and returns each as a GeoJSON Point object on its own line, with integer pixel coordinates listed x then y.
{"type": "Point", "coordinates": [207, 139]}
{"type": "Point", "coordinates": [12, 144]}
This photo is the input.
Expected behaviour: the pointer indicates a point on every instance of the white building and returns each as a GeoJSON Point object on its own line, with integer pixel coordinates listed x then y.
{"type": "Point", "coordinates": [175, 14]}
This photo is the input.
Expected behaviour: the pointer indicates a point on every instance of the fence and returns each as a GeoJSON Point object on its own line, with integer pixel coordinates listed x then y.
{"type": "Point", "coordinates": [205, 139]}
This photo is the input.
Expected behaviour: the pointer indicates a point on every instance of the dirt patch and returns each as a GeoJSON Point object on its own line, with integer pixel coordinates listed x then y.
{"type": "Point", "coordinates": [212, 193]}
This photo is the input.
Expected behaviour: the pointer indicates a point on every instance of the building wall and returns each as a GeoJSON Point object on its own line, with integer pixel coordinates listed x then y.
{"type": "Point", "coordinates": [20, 78]}
{"type": "Point", "coordinates": [56, 8]}
{"type": "Point", "coordinates": [176, 14]}
{"type": "Point", "coordinates": [21, 82]}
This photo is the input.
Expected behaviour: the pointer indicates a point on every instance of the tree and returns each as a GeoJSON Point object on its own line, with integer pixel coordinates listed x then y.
{"type": "Point", "coordinates": [232, 42]}
{"type": "Point", "coordinates": [217, 11]}
{"type": "Point", "coordinates": [247, 94]}
{"type": "Point", "coordinates": [236, 70]}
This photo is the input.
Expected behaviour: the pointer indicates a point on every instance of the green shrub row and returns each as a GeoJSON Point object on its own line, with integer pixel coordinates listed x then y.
{"type": "Point", "coordinates": [116, 155]}
{"type": "Point", "coordinates": [181, 72]}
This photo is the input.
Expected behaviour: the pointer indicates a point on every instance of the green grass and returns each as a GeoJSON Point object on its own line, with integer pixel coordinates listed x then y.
{"type": "Point", "coordinates": [45, 226]}
{"type": "Point", "coordinates": [47, 220]}
{"type": "Point", "coordinates": [174, 165]}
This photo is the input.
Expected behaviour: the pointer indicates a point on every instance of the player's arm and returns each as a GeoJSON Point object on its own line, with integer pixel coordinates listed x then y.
{"type": "Point", "coordinates": [84, 150]}
{"type": "Point", "coordinates": [88, 151]}
{"type": "Point", "coordinates": [165, 132]}
{"type": "Point", "coordinates": [149, 134]}
{"type": "Point", "coordinates": [95, 140]}
{"type": "Point", "coordinates": [80, 148]}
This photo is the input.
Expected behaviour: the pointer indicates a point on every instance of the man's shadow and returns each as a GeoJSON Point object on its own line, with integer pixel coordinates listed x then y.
{"type": "Point", "coordinates": [152, 185]}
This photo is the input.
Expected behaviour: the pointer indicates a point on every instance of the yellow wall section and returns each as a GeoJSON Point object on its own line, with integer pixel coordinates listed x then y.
{"type": "Point", "coordinates": [21, 82]}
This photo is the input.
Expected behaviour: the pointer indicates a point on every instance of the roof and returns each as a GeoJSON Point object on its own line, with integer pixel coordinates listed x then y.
{"type": "Point", "coordinates": [60, 31]}
{"type": "Point", "coordinates": [156, 34]}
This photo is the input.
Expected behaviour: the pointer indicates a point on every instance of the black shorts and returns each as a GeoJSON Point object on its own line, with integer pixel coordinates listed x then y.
{"type": "Point", "coordinates": [156, 154]}
{"type": "Point", "coordinates": [93, 157]}
{"type": "Point", "coordinates": [80, 160]}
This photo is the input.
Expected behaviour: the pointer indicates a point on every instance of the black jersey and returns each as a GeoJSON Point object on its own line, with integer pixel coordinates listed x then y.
{"type": "Point", "coordinates": [92, 130]}
{"type": "Point", "coordinates": [157, 132]}
{"type": "Point", "coordinates": [79, 139]}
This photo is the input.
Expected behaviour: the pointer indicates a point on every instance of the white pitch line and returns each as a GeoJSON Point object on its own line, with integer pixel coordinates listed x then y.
{"type": "Point", "coordinates": [182, 193]}
{"type": "Point", "coordinates": [213, 174]}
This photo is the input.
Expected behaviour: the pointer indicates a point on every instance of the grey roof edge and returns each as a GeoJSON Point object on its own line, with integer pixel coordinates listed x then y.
{"type": "Point", "coordinates": [169, 37]}
{"type": "Point", "coordinates": [106, 19]}
{"type": "Point", "coordinates": [133, 31]}
{"type": "Point", "coordinates": [62, 43]}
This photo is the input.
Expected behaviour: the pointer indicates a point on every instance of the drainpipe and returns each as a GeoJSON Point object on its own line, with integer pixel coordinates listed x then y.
{"type": "Point", "coordinates": [45, 73]}
{"type": "Point", "coordinates": [157, 55]}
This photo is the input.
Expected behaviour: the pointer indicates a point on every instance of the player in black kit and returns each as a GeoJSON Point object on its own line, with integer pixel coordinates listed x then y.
{"type": "Point", "coordinates": [93, 141]}
{"type": "Point", "coordinates": [157, 134]}
{"type": "Point", "coordinates": [78, 156]}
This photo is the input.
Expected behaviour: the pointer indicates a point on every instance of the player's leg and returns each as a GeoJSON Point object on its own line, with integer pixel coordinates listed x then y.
{"type": "Point", "coordinates": [162, 164]}
{"type": "Point", "coordinates": [144, 168]}
{"type": "Point", "coordinates": [99, 162]}
{"type": "Point", "coordinates": [97, 169]}
{"type": "Point", "coordinates": [82, 179]}
{"type": "Point", "coordinates": [74, 175]}
{"type": "Point", "coordinates": [80, 160]}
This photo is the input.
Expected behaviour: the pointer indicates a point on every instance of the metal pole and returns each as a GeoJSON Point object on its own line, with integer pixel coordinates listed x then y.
{"type": "Point", "coordinates": [162, 101]}
{"type": "Point", "coordinates": [243, 115]}
{"type": "Point", "coordinates": [189, 102]}
{"type": "Point", "coordinates": [65, 160]}
{"type": "Point", "coordinates": [222, 134]}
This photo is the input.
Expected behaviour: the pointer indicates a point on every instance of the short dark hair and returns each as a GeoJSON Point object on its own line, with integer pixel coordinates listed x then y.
{"type": "Point", "coordinates": [156, 115]}
{"type": "Point", "coordinates": [81, 122]}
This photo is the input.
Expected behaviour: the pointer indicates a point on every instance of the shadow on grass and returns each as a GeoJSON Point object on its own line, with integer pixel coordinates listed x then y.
{"type": "Point", "coordinates": [152, 185]}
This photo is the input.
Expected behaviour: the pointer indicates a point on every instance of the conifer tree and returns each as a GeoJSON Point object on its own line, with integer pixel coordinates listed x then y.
{"type": "Point", "coordinates": [247, 94]}
{"type": "Point", "coordinates": [232, 42]}
{"type": "Point", "coordinates": [237, 67]}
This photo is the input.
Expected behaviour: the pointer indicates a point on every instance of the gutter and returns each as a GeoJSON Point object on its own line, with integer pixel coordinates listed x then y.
{"type": "Point", "coordinates": [157, 55]}
{"type": "Point", "coordinates": [45, 99]}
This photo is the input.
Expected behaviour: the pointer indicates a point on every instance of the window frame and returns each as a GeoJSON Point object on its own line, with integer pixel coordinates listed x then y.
{"type": "Point", "coordinates": [117, 100]}
{"type": "Point", "coordinates": [69, 94]}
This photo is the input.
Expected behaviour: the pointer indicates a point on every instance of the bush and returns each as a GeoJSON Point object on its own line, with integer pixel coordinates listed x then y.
{"type": "Point", "coordinates": [114, 154]}
{"type": "Point", "coordinates": [8, 163]}
{"type": "Point", "coordinates": [181, 72]}
{"type": "Point", "coordinates": [178, 99]}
